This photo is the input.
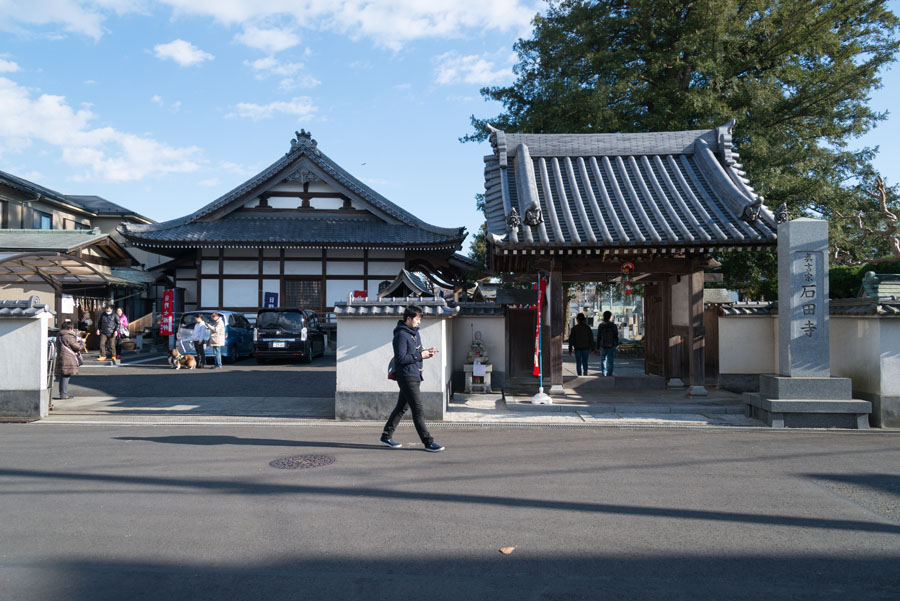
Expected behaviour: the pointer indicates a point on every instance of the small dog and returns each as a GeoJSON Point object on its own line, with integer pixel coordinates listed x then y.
{"type": "Point", "coordinates": [177, 360]}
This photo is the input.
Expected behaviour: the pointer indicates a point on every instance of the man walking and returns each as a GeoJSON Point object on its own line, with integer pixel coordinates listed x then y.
{"type": "Point", "coordinates": [107, 327]}
{"type": "Point", "coordinates": [217, 338]}
{"type": "Point", "coordinates": [581, 340]}
{"type": "Point", "coordinates": [200, 336]}
{"type": "Point", "coordinates": [607, 340]}
{"type": "Point", "coordinates": [408, 357]}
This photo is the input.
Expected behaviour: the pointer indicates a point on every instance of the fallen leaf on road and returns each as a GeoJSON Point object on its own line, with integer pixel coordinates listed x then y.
{"type": "Point", "coordinates": [507, 550]}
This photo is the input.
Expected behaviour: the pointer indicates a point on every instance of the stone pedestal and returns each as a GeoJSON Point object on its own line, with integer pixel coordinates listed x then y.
{"type": "Point", "coordinates": [485, 385]}
{"type": "Point", "coordinates": [803, 395]}
{"type": "Point", "coordinates": [807, 402]}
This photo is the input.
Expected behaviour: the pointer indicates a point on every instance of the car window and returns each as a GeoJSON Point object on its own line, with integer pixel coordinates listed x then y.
{"type": "Point", "coordinates": [188, 320]}
{"type": "Point", "coordinates": [286, 320]}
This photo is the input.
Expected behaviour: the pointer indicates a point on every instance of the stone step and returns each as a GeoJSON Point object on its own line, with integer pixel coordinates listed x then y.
{"type": "Point", "coordinates": [809, 413]}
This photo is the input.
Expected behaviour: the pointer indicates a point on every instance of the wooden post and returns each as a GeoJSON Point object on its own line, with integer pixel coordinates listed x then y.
{"type": "Point", "coordinates": [556, 311]}
{"type": "Point", "coordinates": [697, 334]}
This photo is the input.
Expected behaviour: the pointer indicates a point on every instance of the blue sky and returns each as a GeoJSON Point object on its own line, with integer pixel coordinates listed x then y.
{"type": "Point", "coordinates": [163, 106]}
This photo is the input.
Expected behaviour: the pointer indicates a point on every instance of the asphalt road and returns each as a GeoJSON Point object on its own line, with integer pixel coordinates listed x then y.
{"type": "Point", "coordinates": [244, 378]}
{"type": "Point", "coordinates": [186, 512]}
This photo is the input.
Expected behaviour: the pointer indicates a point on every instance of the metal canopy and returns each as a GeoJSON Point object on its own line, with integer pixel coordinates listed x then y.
{"type": "Point", "coordinates": [54, 268]}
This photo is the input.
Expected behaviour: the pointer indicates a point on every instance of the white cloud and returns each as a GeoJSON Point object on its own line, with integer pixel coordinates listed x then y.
{"type": "Point", "coordinates": [183, 53]}
{"type": "Point", "coordinates": [157, 99]}
{"type": "Point", "coordinates": [271, 40]}
{"type": "Point", "coordinates": [264, 67]}
{"type": "Point", "coordinates": [300, 106]}
{"type": "Point", "coordinates": [8, 66]}
{"type": "Point", "coordinates": [389, 23]}
{"type": "Point", "coordinates": [100, 152]}
{"type": "Point", "coordinates": [454, 68]}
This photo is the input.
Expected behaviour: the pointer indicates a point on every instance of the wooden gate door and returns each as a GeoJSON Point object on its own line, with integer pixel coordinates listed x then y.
{"type": "Point", "coordinates": [520, 324]}
{"type": "Point", "coordinates": [654, 330]}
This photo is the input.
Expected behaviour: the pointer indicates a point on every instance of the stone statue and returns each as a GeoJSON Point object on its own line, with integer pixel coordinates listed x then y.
{"type": "Point", "coordinates": [477, 351]}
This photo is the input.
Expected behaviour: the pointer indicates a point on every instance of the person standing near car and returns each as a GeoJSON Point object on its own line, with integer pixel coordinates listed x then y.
{"type": "Point", "coordinates": [217, 338]}
{"type": "Point", "coordinates": [408, 357]}
{"type": "Point", "coordinates": [607, 341]}
{"type": "Point", "coordinates": [68, 357]}
{"type": "Point", "coordinates": [107, 328]}
{"type": "Point", "coordinates": [200, 336]}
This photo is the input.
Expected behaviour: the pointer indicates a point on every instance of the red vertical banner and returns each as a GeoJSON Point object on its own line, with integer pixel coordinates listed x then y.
{"type": "Point", "coordinates": [537, 328]}
{"type": "Point", "coordinates": [168, 313]}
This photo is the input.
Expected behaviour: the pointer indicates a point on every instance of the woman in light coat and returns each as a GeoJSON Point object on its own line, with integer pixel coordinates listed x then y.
{"type": "Point", "coordinates": [68, 358]}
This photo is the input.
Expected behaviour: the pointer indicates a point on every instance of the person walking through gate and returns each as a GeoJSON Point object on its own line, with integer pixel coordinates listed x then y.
{"type": "Point", "coordinates": [200, 336]}
{"type": "Point", "coordinates": [581, 340]}
{"type": "Point", "coordinates": [107, 328]}
{"type": "Point", "coordinates": [607, 340]}
{"type": "Point", "coordinates": [217, 338]}
{"type": "Point", "coordinates": [408, 357]}
{"type": "Point", "coordinates": [68, 357]}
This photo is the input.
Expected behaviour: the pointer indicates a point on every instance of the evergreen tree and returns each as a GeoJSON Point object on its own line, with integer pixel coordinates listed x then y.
{"type": "Point", "coordinates": [795, 74]}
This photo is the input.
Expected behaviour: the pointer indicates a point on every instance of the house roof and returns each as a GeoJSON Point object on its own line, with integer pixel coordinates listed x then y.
{"type": "Point", "coordinates": [880, 285]}
{"type": "Point", "coordinates": [319, 231]}
{"type": "Point", "coordinates": [303, 162]}
{"type": "Point", "coordinates": [622, 191]}
{"type": "Point", "coordinates": [92, 205]}
{"type": "Point", "coordinates": [32, 307]}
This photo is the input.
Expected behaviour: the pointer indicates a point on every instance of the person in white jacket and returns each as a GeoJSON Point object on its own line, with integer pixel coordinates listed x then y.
{"type": "Point", "coordinates": [217, 337]}
{"type": "Point", "coordinates": [199, 336]}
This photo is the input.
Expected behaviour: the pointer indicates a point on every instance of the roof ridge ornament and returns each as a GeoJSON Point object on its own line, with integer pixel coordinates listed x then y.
{"type": "Point", "coordinates": [303, 140]}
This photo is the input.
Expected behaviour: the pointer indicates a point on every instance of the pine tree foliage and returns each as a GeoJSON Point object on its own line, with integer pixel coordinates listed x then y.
{"type": "Point", "coordinates": [795, 74]}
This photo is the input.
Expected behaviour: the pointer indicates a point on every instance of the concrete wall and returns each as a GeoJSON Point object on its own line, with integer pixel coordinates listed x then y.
{"type": "Point", "coordinates": [493, 334]}
{"type": "Point", "coordinates": [23, 368]}
{"type": "Point", "coordinates": [364, 350]}
{"type": "Point", "coordinates": [867, 350]}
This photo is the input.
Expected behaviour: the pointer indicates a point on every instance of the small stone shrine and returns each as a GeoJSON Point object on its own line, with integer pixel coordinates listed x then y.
{"type": "Point", "coordinates": [804, 394]}
{"type": "Point", "coordinates": [478, 366]}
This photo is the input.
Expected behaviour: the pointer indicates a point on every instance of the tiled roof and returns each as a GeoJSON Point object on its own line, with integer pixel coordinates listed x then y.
{"type": "Point", "coordinates": [670, 189]}
{"type": "Point", "coordinates": [304, 151]}
{"type": "Point", "coordinates": [881, 284]}
{"type": "Point", "coordinates": [24, 185]}
{"type": "Point", "coordinates": [24, 308]}
{"type": "Point", "coordinates": [408, 281]}
{"type": "Point", "coordinates": [49, 240]}
{"type": "Point", "coordinates": [394, 307]}
{"type": "Point", "coordinates": [479, 309]}
{"type": "Point", "coordinates": [318, 231]}
{"type": "Point", "coordinates": [881, 307]}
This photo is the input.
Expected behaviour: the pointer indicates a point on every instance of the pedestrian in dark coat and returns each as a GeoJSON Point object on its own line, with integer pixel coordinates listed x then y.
{"type": "Point", "coordinates": [581, 340]}
{"type": "Point", "coordinates": [107, 328]}
{"type": "Point", "coordinates": [68, 357]}
{"type": "Point", "coordinates": [607, 340]}
{"type": "Point", "coordinates": [408, 357]}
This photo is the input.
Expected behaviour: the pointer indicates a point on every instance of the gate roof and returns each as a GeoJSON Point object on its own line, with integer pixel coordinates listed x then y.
{"type": "Point", "coordinates": [666, 191]}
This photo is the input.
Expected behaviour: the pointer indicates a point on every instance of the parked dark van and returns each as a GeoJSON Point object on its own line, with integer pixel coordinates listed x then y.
{"type": "Point", "coordinates": [288, 333]}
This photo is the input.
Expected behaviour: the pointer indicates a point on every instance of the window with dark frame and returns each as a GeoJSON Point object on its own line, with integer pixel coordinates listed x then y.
{"type": "Point", "coordinates": [303, 293]}
{"type": "Point", "coordinates": [43, 221]}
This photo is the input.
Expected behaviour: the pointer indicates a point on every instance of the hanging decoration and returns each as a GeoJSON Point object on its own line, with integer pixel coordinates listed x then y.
{"type": "Point", "coordinates": [627, 268]}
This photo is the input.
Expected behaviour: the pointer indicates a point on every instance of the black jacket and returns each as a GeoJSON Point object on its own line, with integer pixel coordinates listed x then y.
{"type": "Point", "coordinates": [407, 352]}
{"type": "Point", "coordinates": [609, 333]}
{"type": "Point", "coordinates": [108, 323]}
{"type": "Point", "coordinates": [581, 338]}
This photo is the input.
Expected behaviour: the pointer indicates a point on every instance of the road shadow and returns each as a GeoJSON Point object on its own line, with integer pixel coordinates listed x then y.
{"type": "Point", "coordinates": [259, 442]}
{"type": "Point", "coordinates": [480, 574]}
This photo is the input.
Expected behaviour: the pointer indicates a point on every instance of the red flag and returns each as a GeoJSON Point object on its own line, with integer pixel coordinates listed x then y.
{"type": "Point", "coordinates": [537, 329]}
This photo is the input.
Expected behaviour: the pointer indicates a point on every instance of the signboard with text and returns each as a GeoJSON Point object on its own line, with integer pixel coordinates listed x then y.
{"type": "Point", "coordinates": [167, 314]}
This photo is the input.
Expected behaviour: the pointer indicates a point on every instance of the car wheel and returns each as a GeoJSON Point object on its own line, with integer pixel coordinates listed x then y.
{"type": "Point", "coordinates": [232, 354]}
{"type": "Point", "coordinates": [307, 353]}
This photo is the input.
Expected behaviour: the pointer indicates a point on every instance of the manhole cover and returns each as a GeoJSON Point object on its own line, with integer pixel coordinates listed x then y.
{"type": "Point", "coordinates": [300, 462]}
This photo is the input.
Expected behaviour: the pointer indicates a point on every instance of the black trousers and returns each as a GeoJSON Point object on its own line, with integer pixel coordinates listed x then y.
{"type": "Point", "coordinates": [410, 398]}
{"type": "Point", "coordinates": [200, 347]}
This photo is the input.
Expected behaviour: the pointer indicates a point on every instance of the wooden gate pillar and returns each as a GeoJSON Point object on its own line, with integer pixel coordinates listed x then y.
{"type": "Point", "coordinates": [556, 311]}
{"type": "Point", "coordinates": [697, 334]}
